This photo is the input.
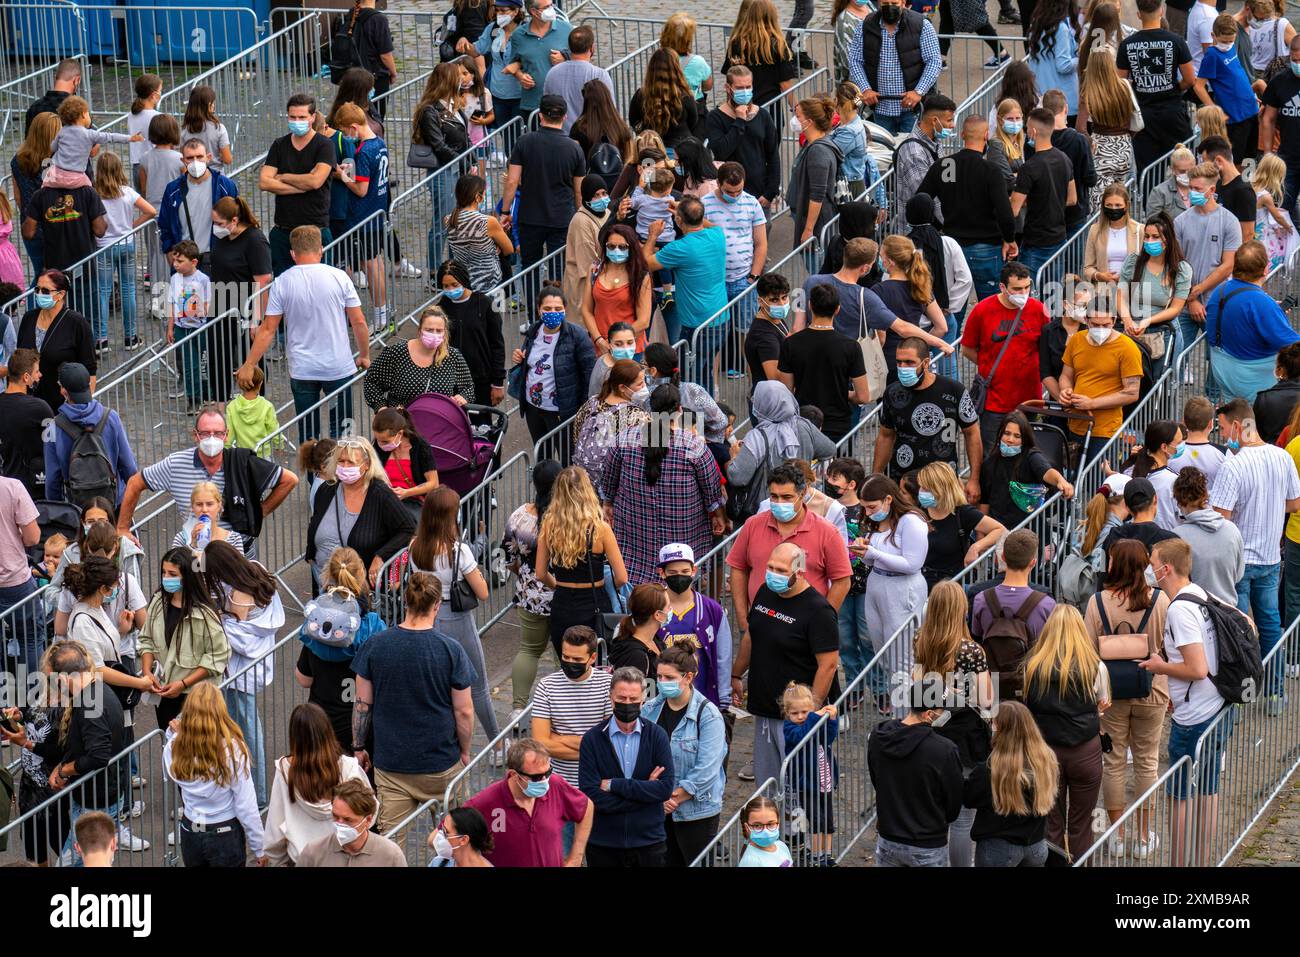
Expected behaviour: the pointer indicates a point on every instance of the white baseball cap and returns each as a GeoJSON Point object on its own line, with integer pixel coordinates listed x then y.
{"type": "Point", "coordinates": [676, 552]}
{"type": "Point", "coordinates": [1114, 484]}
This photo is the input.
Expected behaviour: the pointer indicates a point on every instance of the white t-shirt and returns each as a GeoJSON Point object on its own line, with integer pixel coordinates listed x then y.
{"type": "Point", "coordinates": [1200, 21]}
{"type": "Point", "coordinates": [1116, 249]}
{"type": "Point", "coordinates": [120, 214]}
{"type": "Point", "coordinates": [540, 384]}
{"type": "Point", "coordinates": [129, 596]}
{"type": "Point", "coordinates": [1162, 480]}
{"type": "Point", "coordinates": [442, 568]}
{"type": "Point", "coordinates": [190, 296]}
{"type": "Point", "coordinates": [1267, 41]}
{"type": "Point", "coordinates": [1254, 485]}
{"type": "Point", "coordinates": [312, 299]}
{"type": "Point", "coordinates": [1205, 456]}
{"type": "Point", "coordinates": [957, 272]}
{"type": "Point", "coordinates": [1187, 624]}
{"type": "Point", "coordinates": [139, 123]}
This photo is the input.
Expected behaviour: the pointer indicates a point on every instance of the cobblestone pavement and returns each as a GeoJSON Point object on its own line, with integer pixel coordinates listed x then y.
{"type": "Point", "coordinates": [1275, 841]}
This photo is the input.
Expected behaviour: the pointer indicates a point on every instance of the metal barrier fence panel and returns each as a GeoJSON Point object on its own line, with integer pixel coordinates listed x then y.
{"type": "Point", "coordinates": [628, 73]}
{"type": "Point", "coordinates": [18, 93]}
{"type": "Point", "coordinates": [731, 841]}
{"type": "Point", "coordinates": [1151, 813]}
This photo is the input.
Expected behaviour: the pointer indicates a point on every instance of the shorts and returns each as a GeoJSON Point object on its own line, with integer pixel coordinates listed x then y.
{"type": "Point", "coordinates": [1182, 742]}
{"type": "Point", "coordinates": [819, 811]}
{"type": "Point", "coordinates": [367, 241]}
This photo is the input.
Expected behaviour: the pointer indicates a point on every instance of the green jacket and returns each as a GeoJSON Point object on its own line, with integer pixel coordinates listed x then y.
{"type": "Point", "coordinates": [200, 642]}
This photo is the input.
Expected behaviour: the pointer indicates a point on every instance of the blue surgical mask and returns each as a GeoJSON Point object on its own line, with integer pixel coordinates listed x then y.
{"type": "Point", "coordinates": [623, 352]}
{"type": "Point", "coordinates": [947, 132]}
{"type": "Point", "coordinates": [553, 320]}
{"type": "Point", "coordinates": [670, 689]}
{"type": "Point", "coordinates": [1182, 447]}
{"type": "Point", "coordinates": [1008, 451]}
{"type": "Point", "coordinates": [171, 585]}
{"type": "Point", "coordinates": [454, 292]}
{"type": "Point", "coordinates": [879, 517]}
{"type": "Point", "coordinates": [778, 583]}
{"type": "Point", "coordinates": [537, 789]}
{"type": "Point", "coordinates": [908, 377]}
{"type": "Point", "coordinates": [616, 254]}
{"type": "Point", "coordinates": [1295, 68]}
{"type": "Point", "coordinates": [299, 127]}
{"type": "Point", "coordinates": [112, 596]}
{"type": "Point", "coordinates": [1196, 197]}
{"type": "Point", "coordinates": [926, 499]}
{"type": "Point", "coordinates": [44, 300]}
{"type": "Point", "coordinates": [778, 312]}
{"type": "Point", "coordinates": [599, 205]}
{"type": "Point", "coordinates": [743, 97]}
{"type": "Point", "coordinates": [350, 142]}
{"type": "Point", "coordinates": [1012, 127]}
{"type": "Point", "coordinates": [764, 836]}
{"type": "Point", "coordinates": [1233, 445]}
{"type": "Point", "coordinates": [1153, 247]}
{"type": "Point", "coordinates": [728, 198]}
{"type": "Point", "coordinates": [784, 511]}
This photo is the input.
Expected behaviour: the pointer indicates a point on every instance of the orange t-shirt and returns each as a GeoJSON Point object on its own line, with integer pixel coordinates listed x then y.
{"type": "Point", "coordinates": [1100, 371]}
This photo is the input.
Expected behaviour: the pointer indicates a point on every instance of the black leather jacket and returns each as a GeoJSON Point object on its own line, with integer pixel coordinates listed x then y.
{"type": "Point", "coordinates": [447, 136]}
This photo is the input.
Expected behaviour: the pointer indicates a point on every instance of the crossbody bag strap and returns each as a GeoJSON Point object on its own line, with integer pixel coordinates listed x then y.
{"type": "Point", "coordinates": [1011, 334]}
{"type": "Point", "coordinates": [1142, 625]}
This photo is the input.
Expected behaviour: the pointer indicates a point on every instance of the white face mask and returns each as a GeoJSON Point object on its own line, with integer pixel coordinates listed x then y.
{"type": "Point", "coordinates": [1183, 179]}
{"type": "Point", "coordinates": [1018, 299]}
{"type": "Point", "coordinates": [795, 126]}
{"type": "Point", "coordinates": [197, 168]}
{"type": "Point", "coordinates": [441, 846]}
{"type": "Point", "coordinates": [1098, 335]}
{"type": "Point", "coordinates": [211, 446]}
{"type": "Point", "coordinates": [345, 834]}
{"type": "Point", "coordinates": [548, 15]}
{"type": "Point", "coordinates": [1224, 47]}
{"type": "Point", "coordinates": [504, 19]}
{"type": "Point", "coordinates": [221, 232]}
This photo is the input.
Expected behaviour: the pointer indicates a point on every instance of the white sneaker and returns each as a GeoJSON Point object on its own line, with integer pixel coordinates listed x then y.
{"type": "Point", "coordinates": [137, 808]}
{"type": "Point", "coordinates": [1293, 671]}
{"type": "Point", "coordinates": [359, 280]}
{"type": "Point", "coordinates": [128, 841]}
{"type": "Point", "coordinates": [497, 757]}
{"type": "Point", "coordinates": [1147, 848]}
{"type": "Point", "coordinates": [138, 782]}
{"type": "Point", "coordinates": [514, 713]}
{"type": "Point", "coordinates": [408, 270]}
{"type": "Point", "coordinates": [1116, 845]}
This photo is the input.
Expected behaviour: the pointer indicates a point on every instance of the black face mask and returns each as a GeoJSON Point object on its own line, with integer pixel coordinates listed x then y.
{"type": "Point", "coordinates": [573, 670]}
{"type": "Point", "coordinates": [627, 713]}
{"type": "Point", "coordinates": [891, 13]}
{"type": "Point", "coordinates": [1114, 215]}
{"type": "Point", "coordinates": [679, 584]}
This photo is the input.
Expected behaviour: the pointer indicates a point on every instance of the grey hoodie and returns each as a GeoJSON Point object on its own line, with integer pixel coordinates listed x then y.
{"type": "Point", "coordinates": [1218, 557]}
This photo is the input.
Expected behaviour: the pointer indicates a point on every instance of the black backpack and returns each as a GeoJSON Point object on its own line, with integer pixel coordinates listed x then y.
{"type": "Point", "coordinates": [743, 500]}
{"type": "Point", "coordinates": [90, 471]}
{"type": "Point", "coordinates": [345, 52]}
{"type": "Point", "coordinates": [1241, 670]}
{"type": "Point", "coordinates": [606, 160]}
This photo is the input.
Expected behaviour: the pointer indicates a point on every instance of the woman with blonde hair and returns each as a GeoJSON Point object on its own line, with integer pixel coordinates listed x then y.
{"type": "Point", "coordinates": [1172, 196]}
{"type": "Point", "coordinates": [757, 42]}
{"type": "Point", "coordinates": [1270, 35]}
{"type": "Point", "coordinates": [1067, 689]}
{"type": "Point", "coordinates": [944, 648]}
{"type": "Point", "coordinates": [959, 533]}
{"type": "Point", "coordinates": [1108, 112]}
{"type": "Point", "coordinates": [408, 368]}
{"type": "Point", "coordinates": [1006, 145]}
{"type": "Point", "coordinates": [908, 290]}
{"type": "Point", "coordinates": [125, 210]}
{"type": "Point", "coordinates": [1113, 238]}
{"type": "Point", "coordinates": [678, 35]}
{"type": "Point", "coordinates": [1012, 792]}
{"type": "Point", "coordinates": [664, 103]}
{"type": "Point", "coordinates": [574, 545]}
{"type": "Point", "coordinates": [816, 169]}
{"type": "Point", "coordinates": [205, 502]}
{"type": "Point", "coordinates": [27, 168]}
{"type": "Point", "coordinates": [1273, 226]}
{"type": "Point", "coordinates": [206, 756]}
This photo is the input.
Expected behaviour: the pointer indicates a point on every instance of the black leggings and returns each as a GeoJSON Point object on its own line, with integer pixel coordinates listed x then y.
{"type": "Point", "coordinates": [946, 28]}
{"type": "Point", "coordinates": [686, 839]}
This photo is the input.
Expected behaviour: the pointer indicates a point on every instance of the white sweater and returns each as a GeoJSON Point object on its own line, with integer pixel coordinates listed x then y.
{"type": "Point", "coordinates": [292, 825]}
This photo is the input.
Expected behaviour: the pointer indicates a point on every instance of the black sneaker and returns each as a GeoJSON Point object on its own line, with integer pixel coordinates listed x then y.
{"type": "Point", "coordinates": [133, 343]}
{"type": "Point", "coordinates": [102, 346]}
{"type": "Point", "coordinates": [1009, 17]}
{"type": "Point", "coordinates": [806, 62]}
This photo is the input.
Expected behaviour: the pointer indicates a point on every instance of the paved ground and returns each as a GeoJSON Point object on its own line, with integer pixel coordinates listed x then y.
{"type": "Point", "coordinates": [1275, 841]}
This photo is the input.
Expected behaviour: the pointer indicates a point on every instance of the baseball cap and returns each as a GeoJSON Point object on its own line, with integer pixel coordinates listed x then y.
{"type": "Point", "coordinates": [1114, 484]}
{"type": "Point", "coordinates": [1138, 494]}
{"type": "Point", "coordinates": [76, 380]}
{"type": "Point", "coordinates": [553, 106]}
{"type": "Point", "coordinates": [676, 552]}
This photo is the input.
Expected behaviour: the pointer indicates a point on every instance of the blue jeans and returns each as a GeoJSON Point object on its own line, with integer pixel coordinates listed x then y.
{"type": "Point", "coordinates": [673, 326]}
{"type": "Point", "coordinates": [1182, 742]}
{"type": "Point", "coordinates": [24, 628]}
{"type": "Point", "coordinates": [117, 259]}
{"type": "Point", "coordinates": [113, 811]}
{"type": "Point", "coordinates": [985, 262]}
{"type": "Point", "coordinates": [892, 854]}
{"type": "Point", "coordinates": [242, 706]}
{"type": "Point", "coordinates": [707, 344]}
{"type": "Point", "coordinates": [855, 646]}
{"type": "Point", "coordinates": [308, 393]}
{"type": "Point", "coordinates": [36, 254]}
{"type": "Point", "coordinates": [742, 313]}
{"type": "Point", "coordinates": [192, 342]}
{"type": "Point", "coordinates": [995, 852]}
{"type": "Point", "coordinates": [442, 196]}
{"type": "Point", "coordinates": [1188, 331]}
{"type": "Point", "coordinates": [947, 365]}
{"type": "Point", "coordinates": [1257, 594]}
{"type": "Point", "coordinates": [1034, 258]}
{"type": "Point", "coordinates": [902, 123]}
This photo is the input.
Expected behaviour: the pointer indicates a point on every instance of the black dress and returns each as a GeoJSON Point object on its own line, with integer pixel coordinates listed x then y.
{"type": "Point", "coordinates": [68, 339]}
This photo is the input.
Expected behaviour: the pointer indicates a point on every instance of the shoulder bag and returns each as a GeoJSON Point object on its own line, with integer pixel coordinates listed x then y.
{"type": "Point", "coordinates": [129, 697]}
{"type": "Point", "coordinates": [1121, 651]}
{"type": "Point", "coordinates": [873, 354]}
{"type": "Point", "coordinates": [979, 387]}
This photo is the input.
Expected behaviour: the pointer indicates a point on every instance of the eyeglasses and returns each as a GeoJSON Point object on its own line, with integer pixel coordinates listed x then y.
{"type": "Point", "coordinates": [539, 776]}
{"type": "Point", "coordinates": [210, 434]}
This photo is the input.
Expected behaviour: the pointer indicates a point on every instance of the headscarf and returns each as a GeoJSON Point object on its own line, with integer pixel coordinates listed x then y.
{"type": "Point", "coordinates": [592, 184]}
{"type": "Point", "coordinates": [775, 414]}
{"type": "Point", "coordinates": [920, 216]}
{"type": "Point", "coordinates": [857, 221]}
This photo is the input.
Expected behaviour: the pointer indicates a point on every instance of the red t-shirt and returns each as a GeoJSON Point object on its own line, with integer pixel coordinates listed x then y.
{"type": "Point", "coordinates": [1017, 378]}
{"type": "Point", "coordinates": [523, 840]}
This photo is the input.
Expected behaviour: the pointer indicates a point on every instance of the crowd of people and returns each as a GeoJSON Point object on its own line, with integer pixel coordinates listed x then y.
{"type": "Point", "coordinates": [999, 712]}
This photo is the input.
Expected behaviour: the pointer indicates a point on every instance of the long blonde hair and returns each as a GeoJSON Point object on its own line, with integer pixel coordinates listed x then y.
{"type": "Point", "coordinates": [943, 630]}
{"type": "Point", "coordinates": [1103, 93]}
{"type": "Point", "coordinates": [209, 745]}
{"type": "Point", "coordinates": [572, 518]}
{"type": "Point", "coordinates": [39, 144]}
{"type": "Point", "coordinates": [757, 36]}
{"type": "Point", "coordinates": [345, 569]}
{"type": "Point", "coordinates": [1212, 121]}
{"type": "Point", "coordinates": [902, 253]}
{"type": "Point", "coordinates": [1063, 653]}
{"type": "Point", "coordinates": [1021, 761]}
{"type": "Point", "coordinates": [1269, 174]}
{"type": "Point", "coordinates": [1013, 146]}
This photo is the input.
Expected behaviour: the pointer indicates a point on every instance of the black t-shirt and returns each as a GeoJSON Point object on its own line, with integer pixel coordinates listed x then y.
{"type": "Point", "coordinates": [1148, 533]}
{"type": "Point", "coordinates": [1238, 198]}
{"type": "Point", "coordinates": [550, 162]}
{"type": "Point", "coordinates": [786, 635]}
{"type": "Point", "coordinates": [1051, 349]}
{"type": "Point", "coordinates": [374, 37]}
{"type": "Point", "coordinates": [1045, 181]}
{"type": "Point", "coordinates": [302, 209]}
{"type": "Point", "coordinates": [670, 719]}
{"type": "Point", "coordinates": [762, 344]}
{"type": "Point", "coordinates": [22, 449]}
{"type": "Point", "coordinates": [997, 474]}
{"type": "Point", "coordinates": [768, 77]}
{"type": "Point", "coordinates": [1077, 148]}
{"type": "Point", "coordinates": [824, 364]}
{"type": "Point", "coordinates": [235, 261]}
{"type": "Point", "coordinates": [49, 103]}
{"type": "Point", "coordinates": [329, 679]}
{"type": "Point", "coordinates": [1020, 830]}
{"type": "Point", "coordinates": [1283, 94]}
{"type": "Point", "coordinates": [1153, 59]}
{"type": "Point", "coordinates": [950, 539]}
{"type": "Point", "coordinates": [926, 422]}
{"type": "Point", "coordinates": [63, 219]}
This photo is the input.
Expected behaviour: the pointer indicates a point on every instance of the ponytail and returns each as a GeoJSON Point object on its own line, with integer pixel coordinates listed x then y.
{"type": "Point", "coordinates": [236, 207]}
{"type": "Point", "coordinates": [346, 570]}
{"type": "Point", "coordinates": [146, 85]}
{"type": "Point", "coordinates": [902, 253]}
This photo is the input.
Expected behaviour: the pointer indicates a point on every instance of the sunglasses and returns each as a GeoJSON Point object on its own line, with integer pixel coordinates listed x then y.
{"type": "Point", "coordinates": [539, 776]}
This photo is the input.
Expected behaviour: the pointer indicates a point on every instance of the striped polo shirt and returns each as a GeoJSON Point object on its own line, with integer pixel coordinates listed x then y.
{"type": "Point", "coordinates": [1254, 485]}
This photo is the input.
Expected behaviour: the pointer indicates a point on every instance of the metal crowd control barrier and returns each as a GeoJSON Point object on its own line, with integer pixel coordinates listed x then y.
{"type": "Point", "coordinates": [980, 102]}
{"type": "Point", "coordinates": [413, 831]}
{"type": "Point", "coordinates": [1153, 176]}
{"type": "Point", "coordinates": [19, 92]}
{"type": "Point", "coordinates": [628, 73]}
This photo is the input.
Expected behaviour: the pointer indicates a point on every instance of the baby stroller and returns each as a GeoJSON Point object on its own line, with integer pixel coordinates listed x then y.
{"type": "Point", "coordinates": [61, 518]}
{"type": "Point", "coordinates": [1061, 447]}
{"type": "Point", "coordinates": [465, 440]}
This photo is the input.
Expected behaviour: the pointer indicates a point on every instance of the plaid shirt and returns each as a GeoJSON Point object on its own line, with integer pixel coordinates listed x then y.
{"type": "Point", "coordinates": [890, 73]}
{"type": "Point", "coordinates": [674, 509]}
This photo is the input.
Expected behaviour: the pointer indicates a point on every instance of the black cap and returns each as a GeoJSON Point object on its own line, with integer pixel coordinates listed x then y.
{"type": "Point", "coordinates": [553, 106]}
{"type": "Point", "coordinates": [1139, 494]}
{"type": "Point", "coordinates": [76, 382]}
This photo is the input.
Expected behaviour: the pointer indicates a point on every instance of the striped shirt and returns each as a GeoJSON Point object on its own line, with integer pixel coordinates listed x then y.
{"type": "Point", "coordinates": [179, 472]}
{"type": "Point", "coordinates": [1254, 485]}
{"type": "Point", "coordinates": [737, 220]}
{"type": "Point", "coordinates": [890, 72]}
{"type": "Point", "coordinates": [470, 245]}
{"type": "Point", "coordinates": [572, 707]}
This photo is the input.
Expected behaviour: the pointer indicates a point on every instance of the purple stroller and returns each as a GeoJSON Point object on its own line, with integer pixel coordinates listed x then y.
{"type": "Point", "coordinates": [465, 440]}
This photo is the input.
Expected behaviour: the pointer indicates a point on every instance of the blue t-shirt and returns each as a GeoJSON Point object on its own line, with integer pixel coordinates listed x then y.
{"type": "Point", "coordinates": [853, 298]}
{"type": "Point", "coordinates": [699, 264]}
{"type": "Point", "coordinates": [414, 674]}
{"type": "Point", "coordinates": [1254, 326]}
{"type": "Point", "coordinates": [1228, 84]}
{"type": "Point", "coordinates": [372, 168]}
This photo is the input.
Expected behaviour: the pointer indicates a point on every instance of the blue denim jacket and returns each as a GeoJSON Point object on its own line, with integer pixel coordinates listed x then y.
{"type": "Point", "coordinates": [698, 743]}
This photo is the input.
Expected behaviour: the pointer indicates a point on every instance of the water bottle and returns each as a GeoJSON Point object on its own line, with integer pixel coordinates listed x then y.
{"type": "Point", "coordinates": [205, 532]}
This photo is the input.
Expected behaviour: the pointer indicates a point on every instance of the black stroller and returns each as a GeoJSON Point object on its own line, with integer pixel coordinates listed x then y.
{"type": "Point", "coordinates": [1061, 447]}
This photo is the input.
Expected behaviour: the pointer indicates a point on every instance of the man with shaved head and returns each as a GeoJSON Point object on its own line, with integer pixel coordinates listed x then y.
{"type": "Point", "coordinates": [976, 208]}
{"type": "Point", "coordinates": [792, 636]}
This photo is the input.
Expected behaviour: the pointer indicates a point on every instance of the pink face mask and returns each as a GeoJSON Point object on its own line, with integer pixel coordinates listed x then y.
{"type": "Point", "coordinates": [390, 446]}
{"type": "Point", "coordinates": [348, 474]}
{"type": "Point", "coordinates": [431, 340]}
